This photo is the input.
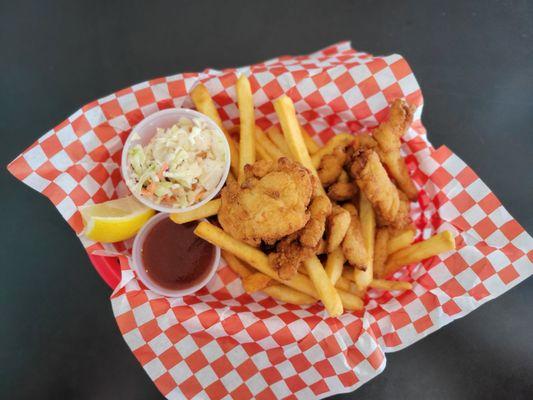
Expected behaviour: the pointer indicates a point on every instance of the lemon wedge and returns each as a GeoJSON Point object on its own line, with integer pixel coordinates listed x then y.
{"type": "Point", "coordinates": [114, 220]}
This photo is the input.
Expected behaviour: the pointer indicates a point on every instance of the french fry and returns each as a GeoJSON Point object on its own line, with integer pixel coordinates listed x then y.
{"type": "Point", "coordinates": [390, 285]}
{"type": "Point", "coordinates": [259, 260]}
{"type": "Point", "coordinates": [263, 141]}
{"type": "Point", "coordinates": [289, 295]}
{"type": "Point", "coordinates": [380, 250]}
{"type": "Point", "coordinates": [291, 130]}
{"type": "Point", "coordinates": [247, 121]}
{"type": "Point", "coordinates": [326, 291]}
{"type": "Point", "coordinates": [204, 103]}
{"type": "Point", "coordinates": [368, 229]}
{"type": "Point", "coordinates": [236, 265]}
{"type": "Point", "coordinates": [276, 137]}
{"type": "Point", "coordinates": [312, 146]}
{"type": "Point", "coordinates": [436, 244]}
{"type": "Point", "coordinates": [255, 257]}
{"type": "Point", "coordinates": [351, 301]}
{"type": "Point", "coordinates": [207, 210]}
{"type": "Point", "coordinates": [334, 265]}
{"type": "Point", "coordinates": [342, 139]}
{"type": "Point", "coordinates": [261, 153]}
{"type": "Point", "coordinates": [401, 240]}
{"type": "Point", "coordinates": [279, 292]}
{"type": "Point", "coordinates": [344, 284]}
{"type": "Point", "coordinates": [347, 278]}
{"type": "Point", "coordinates": [255, 282]}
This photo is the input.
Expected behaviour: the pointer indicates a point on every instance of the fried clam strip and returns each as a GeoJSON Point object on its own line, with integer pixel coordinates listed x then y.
{"type": "Point", "coordinates": [204, 103]}
{"type": "Point", "coordinates": [353, 246]}
{"type": "Point", "coordinates": [331, 166]}
{"type": "Point", "coordinates": [320, 209]}
{"type": "Point", "coordinates": [259, 260]}
{"type": "Point", "coordinates": [293, 250]}
{"type": "Point", "coordinates": [277, 291]}
{"type": "Point", "coordinates": [387, 135]}
{"type": "Point", "coordinates": [342, 139]}
{"type": "Point", "coordinates": [343, 177]}
{"type": "Point", "coordinates": [403, 218]}
{"type": "Point", "coordinates": [289, 255]}
{"type": "Point", "coordinates": [342, 191]}
{"type": "Point", "coordinates": [338, 224]}
{"type": "Point", "coordinates": [436, 244]}
{"type": "Point", "coordinates": [374, 182]}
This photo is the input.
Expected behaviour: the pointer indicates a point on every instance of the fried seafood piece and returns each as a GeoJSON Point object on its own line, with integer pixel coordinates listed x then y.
{"type": "Point", "coordinates": [353, 245]}
{"type": "Point", "coordinates": [342, 191]}
{"type": "Point", "coordinates": [364, 140]}
{"type": "Point", "coordinates": [338, 223]}
{"type": "Point", "coordinates": [272, 202]}
{"type": "Point", "coordinates": [292, 250]}
{"type": "Point", "coordinates": [374, 182]}
{"type": "Point", "coordinates": [387, 135]}
{"type": "Point", "coordinates": [331, 166]}
{"type": "Point", "coordinates": [320, 209]}
{"type": "Point", "coordinates": [289, 255]}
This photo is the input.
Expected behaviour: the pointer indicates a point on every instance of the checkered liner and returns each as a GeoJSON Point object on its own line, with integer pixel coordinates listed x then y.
{"type": "Point", "coordinates": [224, 343]}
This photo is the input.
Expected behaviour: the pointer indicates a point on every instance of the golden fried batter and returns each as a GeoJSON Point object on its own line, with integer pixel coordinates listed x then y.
{"type": "Point", "coordinates": [331, 166]}
{"type": "Point", "coordinates": [289, 255]}
{"type": "Point", "coordinates": [313, 231]}
{"type": "Point", "coordinates": [271, 202]}
{"type": "Point", "coordinates": [387, 136]}
{"type": "Point", "coordinates": [338, 223]}
{"type": "Point", "coordinates": [342, 191]}
{"type": "Point", "coordinates": [374, 182]}
{"type": "Point", "coordinates": [353, 246]}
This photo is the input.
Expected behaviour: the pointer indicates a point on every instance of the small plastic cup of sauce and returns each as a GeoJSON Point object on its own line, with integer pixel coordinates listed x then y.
{"type": "Point", "coordinates": [170, 259]}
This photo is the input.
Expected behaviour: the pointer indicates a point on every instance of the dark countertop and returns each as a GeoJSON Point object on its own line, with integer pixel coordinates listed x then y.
{"type": "Point", "coordinates": [474, 63]}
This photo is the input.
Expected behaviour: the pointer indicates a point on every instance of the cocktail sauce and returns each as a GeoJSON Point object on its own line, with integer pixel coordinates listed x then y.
{"type": "Point", "coordinates": [174, 257]}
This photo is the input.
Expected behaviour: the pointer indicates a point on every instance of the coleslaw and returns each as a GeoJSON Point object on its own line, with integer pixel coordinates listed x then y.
{"type": "Point", "coordinates": [179, 166]}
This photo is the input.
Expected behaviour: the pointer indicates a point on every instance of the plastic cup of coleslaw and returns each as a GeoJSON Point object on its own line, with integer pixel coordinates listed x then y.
{"type": "Point", "coordinates": [179, 171]}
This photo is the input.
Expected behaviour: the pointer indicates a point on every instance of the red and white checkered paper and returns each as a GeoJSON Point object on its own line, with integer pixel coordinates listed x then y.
{"type": "Point", "coordinates": [225, 344]}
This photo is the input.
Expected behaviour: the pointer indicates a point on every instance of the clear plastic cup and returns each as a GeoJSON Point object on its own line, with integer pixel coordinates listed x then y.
{"type": "Point", "coordinates": [143, 132]}
{"type": "Point", "coordinates": [138, 265]}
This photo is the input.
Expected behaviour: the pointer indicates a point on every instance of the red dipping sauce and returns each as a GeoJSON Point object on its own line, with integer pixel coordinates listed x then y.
{"type": "Point", "coordinates": [174, 257]}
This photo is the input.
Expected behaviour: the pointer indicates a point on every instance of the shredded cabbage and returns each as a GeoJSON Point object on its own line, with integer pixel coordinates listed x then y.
{"type": "Point", "coordinates": [179, 166]}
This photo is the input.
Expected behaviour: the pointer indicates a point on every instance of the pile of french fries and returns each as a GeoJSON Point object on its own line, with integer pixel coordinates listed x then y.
{"type": "Point", "coordinates": [338, 287]}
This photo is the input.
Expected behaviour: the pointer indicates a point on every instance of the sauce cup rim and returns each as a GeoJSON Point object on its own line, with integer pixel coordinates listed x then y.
{"type": "Point", "coordinates": [142, 275]}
